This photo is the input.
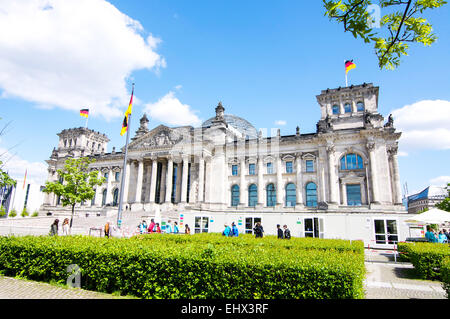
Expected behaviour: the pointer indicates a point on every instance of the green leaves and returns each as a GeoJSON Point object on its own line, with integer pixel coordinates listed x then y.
{"type": "Point", "coordinates": [399, 25]}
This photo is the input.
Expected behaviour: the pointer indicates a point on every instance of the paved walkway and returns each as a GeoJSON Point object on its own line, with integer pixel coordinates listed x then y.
{"type": "Point", "coordinates": [385, 279]}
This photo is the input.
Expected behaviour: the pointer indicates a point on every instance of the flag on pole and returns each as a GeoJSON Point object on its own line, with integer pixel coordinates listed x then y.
{"type": "Point", "coordinates": [24, 179]}
{"type": "Point", "coordinates": [84, 113]}
{"type": "Point", "coordinates": [127, 113]}
{"type": "Point", "coordinates": [349, 65]}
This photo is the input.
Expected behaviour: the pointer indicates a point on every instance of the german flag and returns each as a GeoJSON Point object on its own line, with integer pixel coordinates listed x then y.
{"type": "Point", "coordinates": [84, 113]}
{"type": "Point", "coordinates": [127, 113]}
{"type": "Point", "coordinates": [349, 65]}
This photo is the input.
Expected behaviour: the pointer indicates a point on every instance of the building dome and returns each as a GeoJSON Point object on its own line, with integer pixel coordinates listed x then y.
{"type": "Point", "coordinates": [241, 125]}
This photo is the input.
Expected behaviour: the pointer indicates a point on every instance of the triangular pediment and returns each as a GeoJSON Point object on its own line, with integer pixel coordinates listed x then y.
{"type": "Point", "coordinates": [160, 137]}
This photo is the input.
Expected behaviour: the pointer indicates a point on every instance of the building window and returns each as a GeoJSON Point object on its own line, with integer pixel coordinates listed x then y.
{"type": "Point", "coordinates": [314, 227]}
{"type": "Point", "coordinates": [289, 167]}
{"type": "Point", "coordinates": [251, 169]}
{"type": "Point", "coordinates": [291, 197]}
{"type": "Point", "coordinates": [105, 175]}
{"type": "Point", "coordinates": [250, 223]}
{"type": "Point", "coordinates": [252, 195]}
{"type": "Point", "coordinates": [104, 197]}
{"type": "Point", "coordinates": [335, 109]}
{"type": "Point", "coordinates": [271, 195]}
{"type": "Point", "coordinates": [117, 176]}
{"type": "Point", "coordinates": [235, 195]}
{"type": "Point", "coordinates": [93, 198]}
{"type": "Point", "coordinates": [116, 197]}
{"type": "Point", "coordinates": [311, 195]}
{"type": "Point", "coordinates": [201, 225]}
{"type": "Point", "coordinates": [351, 162]}
{"type": "Point", "coordinates": [386, 231]}
{"type": "Point", "coordinates": [353, 194]}
{"type": "Point", "coordinates": [234, 170]}
{"type": "Point", "coordinates": [269, 168]}
{"type": "Point", "coordinates": [347, 108]}
{"type": "Point", "coordinates": [360, 106]}
{"type": "Point", "coordinates": [309, 166]}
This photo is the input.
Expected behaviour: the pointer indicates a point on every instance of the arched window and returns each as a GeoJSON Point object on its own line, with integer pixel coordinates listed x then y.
{"type": "Point", "coordinates": [234, 195]}
{"type": "Point", "coordinates": [93, 198]}
{"type": "Point", "coordinates": [351, 162]}
{"type": "Point", "coordinates": [104, 197]}
{"type": "Point", "coordinates": [252, 195]}
{"type": "Point", "coordinates": [271, 195]}
{"type": "Point", "coordinates": [291, 197]}
{"type": "Point", "coordinates": [335, 109]}
{"type": "Point", "coordinates": [311, 195]}
{"type": "Point", "coordinates": [347, 108]}
{"type": "Point", "coordinates": [360, 106]}
{"type": "Point", "coordinates": [116, 197]}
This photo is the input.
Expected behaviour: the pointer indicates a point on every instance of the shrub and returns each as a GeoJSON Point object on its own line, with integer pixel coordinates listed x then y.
{"type": "Point", "coordinates": [24, 212]}
{"type": "Point", "coordinates": [169, 266]}
{"type": "Point", "coordinates": [35, 214]}
{"type": "Point", "coordinates": [427, 258]}
{"type": "Point", "coordinates": [445, 275]}
{"type": "Point", "coordinates": [2, 211]}
{"type": "Point", "coordinates": [12, 213]}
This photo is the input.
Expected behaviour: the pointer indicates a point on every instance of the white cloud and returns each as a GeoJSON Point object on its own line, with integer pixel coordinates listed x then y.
{"type": "Point", "coordinates": [72, 54]}
{"type": "Point", "coordinates": [171, 111]}
{"type": "Point", "coordinates": [440, 181]}
{"type": "Point", "coordinates": [15, 166]}
{"type": "Point", "coordinates": [424, 125]}
{"type": "Point", "coordinates": [280, 122]}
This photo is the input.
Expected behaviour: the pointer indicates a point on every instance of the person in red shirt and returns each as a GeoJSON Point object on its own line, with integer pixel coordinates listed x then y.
{"type": "Point", "coordinates": [151, 226]}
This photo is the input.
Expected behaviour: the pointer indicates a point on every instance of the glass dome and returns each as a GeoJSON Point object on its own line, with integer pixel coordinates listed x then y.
{"type": "Point", "coordinates": [243, 126]}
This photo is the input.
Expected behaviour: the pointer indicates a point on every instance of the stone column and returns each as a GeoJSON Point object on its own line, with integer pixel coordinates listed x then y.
{"type": "Point", "coordinates": [169, 181]}
{"type": "Point", "coordinates": [153, 180]}
{"type": "Point", "coordinates": [299, 175]}
{"type": "Point", "coordinates": [242, 187]}
{"type": "Point", "coordinates": [260, 181]}
{"type": "Point", "coordinates": [395, 175]}
{"type": "Point", "coordinates": [109, 194]}
{"type": "Point", "coordinates": [207, 185]}
{"type": "Point", "coordinates": [373, 173]}
{"type": "Point", "coordinates": [185, 179]}
{"type": "Point", "coordinates": [280, 185]}
{"type": "Point", "coordinates": [201, 179]}
{"type": "Point", "coordinates": [334, 196]}
{"type": "Point", "coordinates": [140, 176]}
{"type": "Point", "coordinates": [344, 193]}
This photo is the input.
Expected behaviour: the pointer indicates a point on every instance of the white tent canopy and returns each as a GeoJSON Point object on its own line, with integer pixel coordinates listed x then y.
{"type": "Point", "coordinates": [432, 216]}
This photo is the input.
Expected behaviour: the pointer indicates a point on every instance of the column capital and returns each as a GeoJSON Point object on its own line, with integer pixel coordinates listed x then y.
{"type": "Point", "coordinates": [370, 146]}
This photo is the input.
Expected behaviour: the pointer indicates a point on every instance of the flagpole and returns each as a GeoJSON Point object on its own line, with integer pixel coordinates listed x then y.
{"type": "Point", "coordinates": [124, 172]}
{"type": "Point", "coordinates": [87, 119]}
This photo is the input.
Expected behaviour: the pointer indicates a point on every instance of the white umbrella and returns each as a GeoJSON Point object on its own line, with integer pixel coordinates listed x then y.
{"type": "Point", "coordinates": [432, 216]}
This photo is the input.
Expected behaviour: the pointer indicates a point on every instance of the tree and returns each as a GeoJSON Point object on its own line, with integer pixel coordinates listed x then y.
{"type": "Point", "coordinates": [5, 179]}
{"type": "Point", "coordinates": [76, 183]}
{"type": "Point", "coordinates": [445, 204]}
{"type": "Point", "coordinates": [391, 35]}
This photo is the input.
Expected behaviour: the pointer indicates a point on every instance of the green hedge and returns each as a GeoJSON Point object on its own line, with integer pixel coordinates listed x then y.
{"type": "Point", "coordinates": [427, 258]}
{"type": "Point", "coordinates": [169, 266]}
{"type": "Point", "coordinates": [445, 275]}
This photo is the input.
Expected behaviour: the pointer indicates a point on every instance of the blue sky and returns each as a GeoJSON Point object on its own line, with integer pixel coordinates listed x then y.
{"type": "Point", "coordinates": [265, 60]}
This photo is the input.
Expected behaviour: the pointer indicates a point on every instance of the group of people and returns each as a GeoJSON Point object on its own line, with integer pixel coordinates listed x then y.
{"type": "Point", "coordinates": [231, 231]}
{"type": "Point", "coordinates": [432, 236]}
{"type": "Point", "coordinates": [54, 228]}
{"type": "Point", "coordinates": [258, 230]}
{"type": "Point", "coordinates": [286, 234]}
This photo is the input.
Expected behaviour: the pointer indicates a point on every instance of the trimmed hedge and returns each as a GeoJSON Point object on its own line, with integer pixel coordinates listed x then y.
{"type": "Point", "coordinates": [445, 275]}
{"type": "Point", "coordinates": [198, 266]}
{"type": "Point", "coordinates": [427, 258]}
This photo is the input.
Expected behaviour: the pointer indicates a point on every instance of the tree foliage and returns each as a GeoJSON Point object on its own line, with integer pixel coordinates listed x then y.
{"type": "Point", "coordinates": [402, 24]}
{"type": "Point", "coordinates": [76, 183]}
{"type": "Point", "coordinates": [445, 204]}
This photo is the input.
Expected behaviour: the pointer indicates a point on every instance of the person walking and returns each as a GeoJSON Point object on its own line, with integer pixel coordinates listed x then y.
{"type": "Point", "coordinates": [169, 229]}
{"type": "Point", "coordinates": [279, 232]}
{"type": "Point", "coordinates": [157, 228]}
{"type": "Point", "coordinates": [187, 230]}
{"type": "Point", "coordinates": [287, 232]}
{"type": "Point", "coordinates": [258, 230]}
{"type": "Point", "coordinates": [107, 229]}
{"type": "Point", "coordinates": [447, 234]}
{"type": "Point", "coordinates": [234, 230]}
{"type": "Point", "coordinates": [54, 228]}
{"type": "Point", "coordinates": [151, 226]}
{"type": "Point", "coordinates": [176, 230]}
{"type": "Point", "coordinates": [430, 235]}
{"type": "Point", "coordinates": [226, 231]}
{"type": "Point", "coordinates": [65, 226]}
{"type": "Point", "coordinates": [442, 238]}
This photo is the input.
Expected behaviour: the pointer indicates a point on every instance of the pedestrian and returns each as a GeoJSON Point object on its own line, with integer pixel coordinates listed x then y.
{"type": "Point", "coordinates": [169, 229]}
{"type": "Point", "coordinates": [141, 227]}
{"type": "Point", "coordinates": [447, 234]}
{"type": "Point", "coordinates": [65, 226]}
{"type": "Point", "coordinates": [157, 228]}
{"type": "Point", "coordinates": [430, 235]}
{"type": "Point", "coordinates": [279, 232]}
{"type": "Point", "coordinates": [287, 232]}
{"type": "Point", "coordinates": [226, 231]}
{"type": "Point", "coordinates": [144, 227]}
{"type": "Point", "coordinates": [107, 229]}
{"type": "Point", "coordinates": [187, 230]}
{"type": "Point", "coordinates": [175, 228]}
{"type": "Point", "coordinates": [442, 238]}
{"type": "Point", "coordinates": [258, 230]}
{"type": "Point", "coordinates": [234, 230]}
{"type": "Point", "coordinates": [54, 228]}
{"type": "Point", "coordinates": [151, 226]}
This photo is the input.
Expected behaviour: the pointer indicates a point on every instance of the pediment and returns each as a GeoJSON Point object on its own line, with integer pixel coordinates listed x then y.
{"type": "Point", "coordinates": [160, 137]}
